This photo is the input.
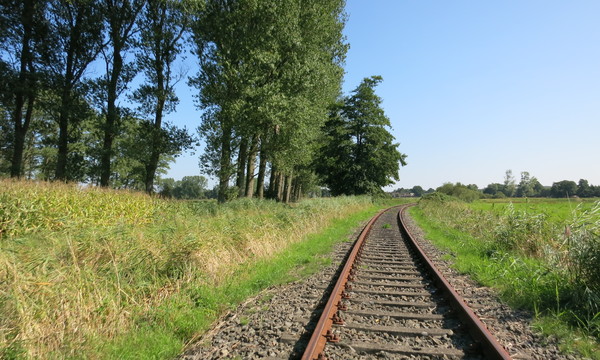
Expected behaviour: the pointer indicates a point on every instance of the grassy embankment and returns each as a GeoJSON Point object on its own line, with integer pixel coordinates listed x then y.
{"type": "Point", "coordinates": [541, 255]}
{"type": "Point", "coordinates": [90, 273]}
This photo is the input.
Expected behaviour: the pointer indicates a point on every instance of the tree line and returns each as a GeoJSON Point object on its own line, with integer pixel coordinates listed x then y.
{"type": "Point", "coordinates": [528, 186]}
{"type": "Point", "coordinates": [268, 86]}
{"type": "Point", "coordinates": [62, 122]}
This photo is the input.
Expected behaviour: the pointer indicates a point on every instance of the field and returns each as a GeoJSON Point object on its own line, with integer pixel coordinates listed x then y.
{"type": "Point", "coordinates": [557, 210]}
{"type": "Point", "coordinates": [91, 273]}
{"type": "Point", "coordinates": [541, 255]}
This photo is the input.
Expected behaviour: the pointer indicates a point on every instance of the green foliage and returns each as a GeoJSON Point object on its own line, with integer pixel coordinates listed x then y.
{"type": "Point", "coordinates": [358, 155]}
{"type": "Point", "coordinates": [268, 72]}
{"type": "Point", "coordinates": [563, 189]}
{"type": "Point", "coordinates": [189, 187]}
{"type": "Point", "coordinates": [529, 256]}
{"type": "Point", "coordinates": [437, 197]}
{"type": "Point", "coordinates": [418, 190]}
{"type": "Point", "coordinates": [460, 191]}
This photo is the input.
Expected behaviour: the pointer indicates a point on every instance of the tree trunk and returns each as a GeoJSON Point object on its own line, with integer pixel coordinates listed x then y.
{"type": "Point", "coordinates": [111, 116]}
{"type": "Point", "coordinates": [296, 190]}
{"type": "Point", "coordinates": [271, 191]}
{"type": "Point", "coordinates": [17, 155]}
{"type": "Point", "coordinates": [24, 90]}
{"type": "Point", "coordinates": [156, 145]}
{"type": "Point", "coordinates": [65, 103]}
{"type": "Point", "coordinates": [155, 148]}
{"type": "Point", "coordinates": [225, 163]}
{"type": "Point", "coordinates": [251, 167]}
{"type": "Point", "coordinates": [288, 189]}
{"type": "Point", "coordinates": [63, 135]}
{"type": "Point", "coordinates": [280, 186]}
{"type": "Point", "coordinates": [240, 181]}
{"type": "Point", "coordinates": [262, 168]}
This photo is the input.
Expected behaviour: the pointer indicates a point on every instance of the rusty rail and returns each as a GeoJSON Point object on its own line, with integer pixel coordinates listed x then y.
{"type": "Point", "coordinates": [489, 346]}
{"type": "Point", "coordinates": [323, 332]}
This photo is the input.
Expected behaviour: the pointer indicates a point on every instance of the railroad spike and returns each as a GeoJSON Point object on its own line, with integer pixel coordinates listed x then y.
{"type": "Point", "coordinates": [331, 337]}
{"type": "Point", "coordinates": [337, 319]}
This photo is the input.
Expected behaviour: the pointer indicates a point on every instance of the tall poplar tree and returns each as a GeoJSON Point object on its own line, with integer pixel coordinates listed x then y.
{"type": "Point", "coordinates": [268, 69]}
{"type": "Point", "coordinates": [78, 26]}
{"type": "Point", "coordinates": [25, 54]}
{"type": "Point", "coordinates": [120, 17]}
{"type": "Point", "coordinates": [162, 25]}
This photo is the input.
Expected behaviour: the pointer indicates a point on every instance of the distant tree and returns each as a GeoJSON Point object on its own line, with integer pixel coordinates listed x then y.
{"type": "Point", "coordinates": [460, 191]}
{"type": "Point", "coordinates": [190, 187]}
{"type": "Point", "coordinates": [359, 155]}
{"type": "Point", "coordinates": [538, 188]}
{"type": "Point", "coordinates": [493, 189]}
{"type": "Point", "coordinates": [165, 187]}
{"type": "Point", "coordinates": [529, 186]}
{"type": "Point", "coordinates": [473, 187]}
{"type": "Point", "coordinates": [564, 188]}
{"type": "Point", "coordinates": [584, 189]}
{"type": "Point", "coordinates": [212, 193]}
{"type": "Point", "coordinates": [509, 184]}
{"type": "Point", "coordinates": [417, 190]}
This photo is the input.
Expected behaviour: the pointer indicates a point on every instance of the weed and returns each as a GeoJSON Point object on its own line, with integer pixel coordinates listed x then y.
{"type": "Point", "coordinates": [244, 320]}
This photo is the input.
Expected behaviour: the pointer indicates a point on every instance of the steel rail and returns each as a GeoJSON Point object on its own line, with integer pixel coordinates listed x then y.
{"type": "Point", "coordinates": [489, 345]}
{"type": "Point", "coordinates": [322, 333]}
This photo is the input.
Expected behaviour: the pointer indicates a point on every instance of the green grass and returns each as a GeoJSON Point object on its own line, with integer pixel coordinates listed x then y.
{"type": "Point", "coordinates": [524, 280]}
{"type": "Point", "coordinates": [558, 210]}
{"type": "Point", "coordinates": [198, 307]}
{"type": "Point", "coordinates": [104, 274]}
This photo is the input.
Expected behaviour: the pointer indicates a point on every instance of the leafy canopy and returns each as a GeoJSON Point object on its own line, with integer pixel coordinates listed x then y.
{"type": "Point", "coordinates": [359, 155]}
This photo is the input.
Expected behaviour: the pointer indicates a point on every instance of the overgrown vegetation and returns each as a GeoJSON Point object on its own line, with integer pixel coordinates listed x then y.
{"type": "Point", "coordinates": [98, 273]}
{"type": "Point", "coordinates": [545, 264]}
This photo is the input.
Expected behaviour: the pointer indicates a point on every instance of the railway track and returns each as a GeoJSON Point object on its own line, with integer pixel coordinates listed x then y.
{"type": "Point", "coordinates": [389, 301]}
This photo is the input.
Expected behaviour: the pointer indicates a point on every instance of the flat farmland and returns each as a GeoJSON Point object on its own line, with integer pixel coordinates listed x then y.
{"type": "Point", "coordinates": [557, 210]}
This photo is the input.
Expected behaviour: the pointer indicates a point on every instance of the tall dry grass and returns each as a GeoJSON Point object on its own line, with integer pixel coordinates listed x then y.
{"type": "Point", "coordinates": [82, 265]}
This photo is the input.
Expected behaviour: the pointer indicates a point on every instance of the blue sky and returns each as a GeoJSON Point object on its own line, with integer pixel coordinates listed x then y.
{"type": "Point", "coordinates": [474, 88]}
